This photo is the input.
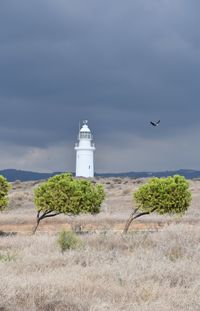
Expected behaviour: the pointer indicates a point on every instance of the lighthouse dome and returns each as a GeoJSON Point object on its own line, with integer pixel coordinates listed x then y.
{"type": "Point", "coordinates": [85, 131]}
{"type": "Point", "coordinates": [85, 128]}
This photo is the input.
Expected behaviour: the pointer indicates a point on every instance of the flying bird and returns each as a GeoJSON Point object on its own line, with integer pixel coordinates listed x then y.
{"type": "Point", "coordinates": [155, 123]}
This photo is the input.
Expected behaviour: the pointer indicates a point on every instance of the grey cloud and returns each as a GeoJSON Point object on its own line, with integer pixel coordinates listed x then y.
{"type": "Point", "coordinates": [117, 64]}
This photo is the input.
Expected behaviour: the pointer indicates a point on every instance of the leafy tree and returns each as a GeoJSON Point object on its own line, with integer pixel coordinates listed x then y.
{"type": "Point", "coordinates": [65, 194]}
{"type": "Point", "coordinates": [4, 187]}
{"type": "Point", "coordinates": [162, 195]}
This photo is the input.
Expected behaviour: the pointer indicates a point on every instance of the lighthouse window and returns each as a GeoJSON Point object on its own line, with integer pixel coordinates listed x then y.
{"type": "Point", "coordinates": [85, 135]}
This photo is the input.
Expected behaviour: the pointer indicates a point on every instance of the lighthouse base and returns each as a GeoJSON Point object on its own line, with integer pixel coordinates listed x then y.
{"type": "Point", "coordinates": [84, 163]}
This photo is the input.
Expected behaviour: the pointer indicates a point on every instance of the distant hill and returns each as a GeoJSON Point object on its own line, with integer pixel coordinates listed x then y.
{"type": "Point", "coordinates": [189, 174]}
{"type": "Point", "coordinates": [12, 174]}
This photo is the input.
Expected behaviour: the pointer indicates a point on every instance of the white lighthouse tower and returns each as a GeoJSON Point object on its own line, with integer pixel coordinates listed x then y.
{"type": "Point", "coordinates": [85, 152]}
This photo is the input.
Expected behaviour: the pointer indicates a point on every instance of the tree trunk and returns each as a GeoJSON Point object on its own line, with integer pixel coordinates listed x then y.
{"type": "Point", "coordinates": [35, 228]}
{"type": "Point", "coordinates": [37, 224]}
{"type": "Point", "coordinates": [44, 215]}
{"type": "Point", "coordinates": [134, 216]}
{"type": "Point", "coordinates": [128, 223]}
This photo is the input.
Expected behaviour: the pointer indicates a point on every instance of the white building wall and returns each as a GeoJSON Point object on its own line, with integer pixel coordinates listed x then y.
{"type": "Point", "coordinates": [84, 163]}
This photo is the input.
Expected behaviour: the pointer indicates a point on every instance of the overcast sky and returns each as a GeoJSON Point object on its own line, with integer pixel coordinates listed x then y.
{"type": "Point", "coordinates": [118, 64]}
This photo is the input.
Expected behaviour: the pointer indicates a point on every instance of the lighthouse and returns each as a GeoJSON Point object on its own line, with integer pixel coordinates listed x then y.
{"type": "Point", "coordinates": [85, 152]}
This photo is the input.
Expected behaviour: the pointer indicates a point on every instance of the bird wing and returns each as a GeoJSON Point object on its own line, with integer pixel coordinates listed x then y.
{"type": "Point", "coordinates": [158, 122]}
{"type": "Point", "coordinates": [152, 123]}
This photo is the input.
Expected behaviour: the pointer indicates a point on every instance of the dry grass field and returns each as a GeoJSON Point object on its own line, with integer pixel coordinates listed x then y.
{"type": "Point", "coordinates": [155, 267]}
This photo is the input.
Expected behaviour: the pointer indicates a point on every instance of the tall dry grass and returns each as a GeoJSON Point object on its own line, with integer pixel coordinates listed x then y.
{"type": "Point", "coordinates": [141, 271]}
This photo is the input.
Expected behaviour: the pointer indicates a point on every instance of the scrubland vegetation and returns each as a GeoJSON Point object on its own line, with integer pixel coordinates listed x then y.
{"type": "Point", "coordinates": [4, 187]}
{"type": "Point", "coordinates": [162, 196]}
{"type": "Point", "coordinates": [154, 267]}
{"type": "Point", "coordinates": [64, 194]}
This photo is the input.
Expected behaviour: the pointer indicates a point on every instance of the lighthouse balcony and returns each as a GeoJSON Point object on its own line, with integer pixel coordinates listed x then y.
{"type": "Point", "coordinates": [82, 145]}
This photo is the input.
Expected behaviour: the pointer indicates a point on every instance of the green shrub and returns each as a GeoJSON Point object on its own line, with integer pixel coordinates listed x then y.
{"type": "Point", "coordinates": [6, 257]}
{"type": "Point", "coordinates": [65, 194]}
{"type": "Point", "coordinates": [68, 240]}
{"type": "Point", "coordinates": [162, 195]}
{"type": "Point", "coordinates": [4, 188]}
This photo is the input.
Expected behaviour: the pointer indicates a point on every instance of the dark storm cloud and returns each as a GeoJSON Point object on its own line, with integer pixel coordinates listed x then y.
{"type": "Point", "coordinates": [118, 64]}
